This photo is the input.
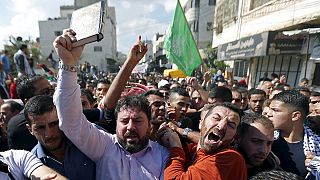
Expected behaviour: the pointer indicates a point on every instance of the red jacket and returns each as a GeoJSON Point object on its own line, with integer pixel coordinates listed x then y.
{"type": "Point", "coordinates": [225, 164]}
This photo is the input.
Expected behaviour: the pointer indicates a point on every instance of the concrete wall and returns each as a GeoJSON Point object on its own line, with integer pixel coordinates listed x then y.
{"type": "Point", "coordinates": [276, 15]}
{"type": "Point", "coordinates": [103, 59]}
{"type": "Point", "coordinates": [202, 15]}
{"type": "Point", "coordinates": [47, 31]}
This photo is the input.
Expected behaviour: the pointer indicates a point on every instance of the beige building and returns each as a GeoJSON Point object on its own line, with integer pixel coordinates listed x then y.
{"type": "Point", "coordinates": [274, 36]}
{"type": "Point", "coordinates": [102, 54]}
{"type": "Point", "coordinates": [199, 15]}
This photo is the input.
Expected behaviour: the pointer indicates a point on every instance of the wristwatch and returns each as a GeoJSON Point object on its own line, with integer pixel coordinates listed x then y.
{"type": "Point", "coordinates": [66, 67]}
{"type": "Point", "coordinates": [186, 132]}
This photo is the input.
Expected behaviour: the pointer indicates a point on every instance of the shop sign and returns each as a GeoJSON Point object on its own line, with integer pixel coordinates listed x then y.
{"type": "Point", "coordinates": [245, 47]}
{"type": "Point", "coordinates": [279, 43]}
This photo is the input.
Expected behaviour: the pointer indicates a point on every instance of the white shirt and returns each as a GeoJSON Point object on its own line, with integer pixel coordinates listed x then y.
{"type": "Point", "coordinates": [20, 163]}
{"type": "Point", "coordinates": [112, 160]}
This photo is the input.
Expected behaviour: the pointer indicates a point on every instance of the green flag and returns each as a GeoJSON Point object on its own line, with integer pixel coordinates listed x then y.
{"type": "Point", "coordinates": [180, 45]}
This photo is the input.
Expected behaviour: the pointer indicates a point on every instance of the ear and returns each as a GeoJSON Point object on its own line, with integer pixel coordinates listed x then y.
{"type": "Point", "coordinates": [29, 128]}
{"type": "Point", "coordinates": [296, 116]}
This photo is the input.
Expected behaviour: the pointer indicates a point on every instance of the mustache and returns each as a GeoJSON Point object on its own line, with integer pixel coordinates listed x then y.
{"type": "Point", "coordinates": [130, 133]}
{"type": "Point", "coordinates": [50, 139]}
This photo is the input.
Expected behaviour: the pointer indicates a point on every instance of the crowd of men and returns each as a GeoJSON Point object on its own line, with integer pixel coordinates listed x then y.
{"type": "Point", "coordinates": [149, 127]}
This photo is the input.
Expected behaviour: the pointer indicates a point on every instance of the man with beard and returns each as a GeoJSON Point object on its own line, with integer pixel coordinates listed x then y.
{"type": "Point", "coordinates": [53, 148]}
{"type": "Point", "coordinates": [254, 141]}
{"type": "Point", "coordinates": [129, 154]}
{"type": "Point", "coordinates": [158, 105]}
{"type": "Point", "coordinates": [213, 157]}
{"type": "Point", "coordinates": [256, 100]}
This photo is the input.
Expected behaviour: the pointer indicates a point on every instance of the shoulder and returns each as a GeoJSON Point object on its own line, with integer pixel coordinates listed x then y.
{"type": "Point", "coordinates": [229, 152]}
{"type": "Point", "coordinates": [158, 148]}
{"type": "Point", "coordinates": [228, 156]}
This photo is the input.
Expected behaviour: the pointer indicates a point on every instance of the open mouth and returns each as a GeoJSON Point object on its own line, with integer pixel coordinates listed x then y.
{"type": "Point", "coordinates": [213, 137]}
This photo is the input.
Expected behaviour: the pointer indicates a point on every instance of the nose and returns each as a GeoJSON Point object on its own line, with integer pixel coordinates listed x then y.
{"type": "Point", "coordinates": [48, 131]}
{"type": "Point", "coordinates": [269, 113]}
{"type": "Point", "coordinates": [263, 148]}
{"type": "Point", "coordinates": [222, 125]}
{"type": "Point", "coordinates": [162, 106]}
{"type": "Point", "coordinates": [131, 125]}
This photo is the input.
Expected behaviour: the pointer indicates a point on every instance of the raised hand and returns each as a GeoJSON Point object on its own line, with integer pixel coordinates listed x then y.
{"type": "Point", "coordinates": [207, 76]}
{"type": "Point", "coordinates": [192, 81]}
{"type": "Point", "coordinates": [137, 51]}
{"type": "Point", "coordinates": [64, 49]}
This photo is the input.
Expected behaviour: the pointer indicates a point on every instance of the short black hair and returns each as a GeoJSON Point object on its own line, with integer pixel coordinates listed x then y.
{"type": "Point", "coordinates": [250, 118]}
{"type": "Point", "coordinates": [23, 46]}
{"type": "Point", "coordinates": [275, 174]}
{"type": "Point", "coordinates": [294, 99]}
{"type": "Point", "coordinates": [136, 101]}
{"type": "Point", "coordinates": [25, 86]}
{"type": "Point", "coordinates": [88, 94]}
{"type": "Point", "coordinates": [304, 79]}
{"type": "Point", "coordinates": [14, 106]}
{"type": "Point", "coordinates": [38, 105]}
{"type": "Point", "coordinates": [302, 88]}
{"type": "Point", "coordinates": [221, 92]}
{"type": "Point", "coordinates": [104, 81]}
{"type": "Point", "coordinates": [315, 93]}
{"type": "Point", "coordinates": [279, 87]}
{"type": "Point", "coordinates": [256, 91]}
{"type": "Point", "coordinates": [153, 92]}
{"type": "Point", "coordinates": [180, 91]}
{"type": "Point", "coordinates": [226, 105]}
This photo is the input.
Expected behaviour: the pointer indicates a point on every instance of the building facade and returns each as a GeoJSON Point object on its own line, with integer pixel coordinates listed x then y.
{"type": "Point", "coordinates": [159, 61]}
{"type": "Point", "coordinates": [258, 36]}
{"type": "Point", "coordinates": [199, 15]}
{"type": "Point", "coordinates": [102, 54]}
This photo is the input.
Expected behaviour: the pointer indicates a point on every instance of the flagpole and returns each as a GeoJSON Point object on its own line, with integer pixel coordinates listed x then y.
{"type": "Point", "coordinates": [184, 16]}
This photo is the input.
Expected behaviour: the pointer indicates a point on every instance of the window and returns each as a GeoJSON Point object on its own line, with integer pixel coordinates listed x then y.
{"type": "Point", "coordinates": [209, 26]}
{"type": "Point", "coordinates": [197, 3]}
{"type": "Point", "coordinates": [194, 4]}
{"type": "Point", "coordinates": [97, 48]}
{"type": "Point", "coordinates": [195, 26]}
{"type": "Point", "coordinates": [240, 68]}
{"type": "Point", "coordinates": [316, 76]}
{"type": "Point", "coordinates": [58, 33]}
{"type": "Point", "coordinates": [212, 2]}
{"type": "Point", "coordinates": [256, 3]}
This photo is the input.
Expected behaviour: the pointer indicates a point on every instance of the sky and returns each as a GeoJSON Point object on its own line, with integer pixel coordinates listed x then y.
{"type": "Point", "coordinates": [134, 18]}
